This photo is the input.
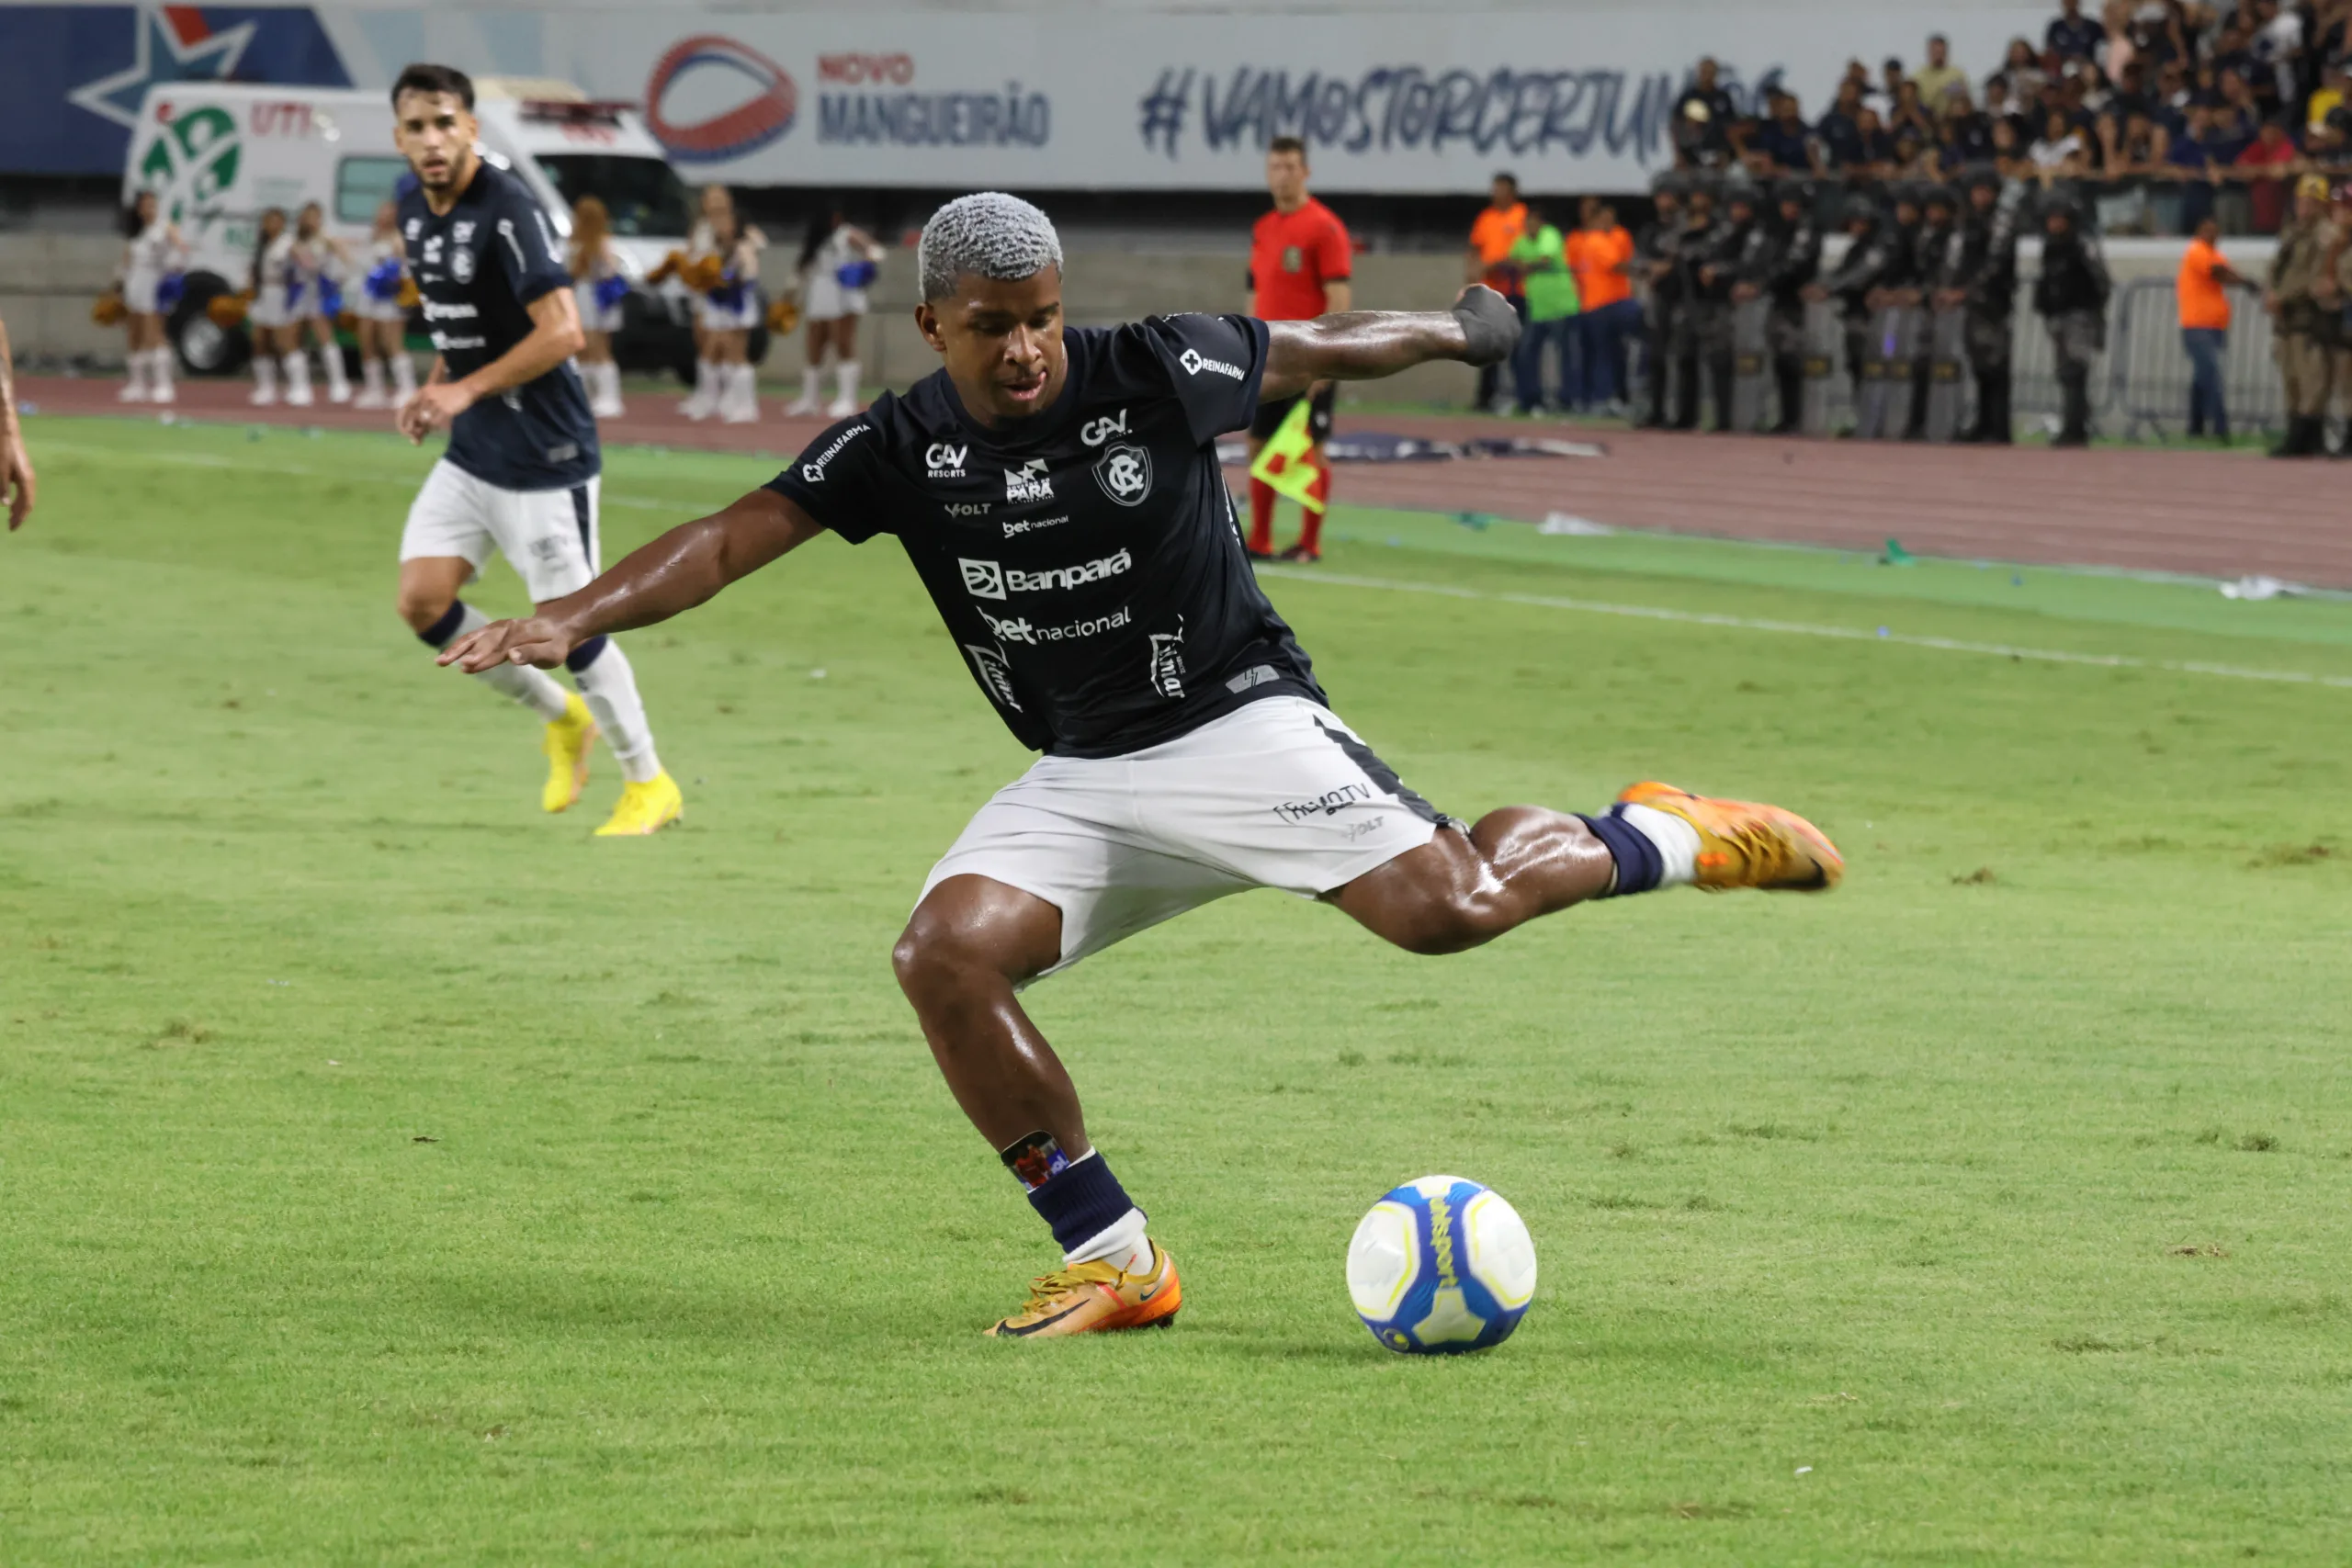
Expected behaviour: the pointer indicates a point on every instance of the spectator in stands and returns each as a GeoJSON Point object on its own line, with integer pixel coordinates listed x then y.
{"type": "Point", "coordinates": [2189, 162]}
{"type": "Point", "coordinates": [2265, 167]}
{"type": "Point", "coordinates": [1914, 156]}
{"type": "Point", "coordinates": [2335, 93]}
{"type": "Point", "coordinates": [1858, 76]}
{"type": "Point", "coordinates": [1487, 261]}
{"type": "Point", "coordinates": [1781, 145]}
{"type": "Point", "coordinates": [2060, 153]}
{"type": "Point", "coordinates": [1966, 135]}
{"type": "Point", "coordinates": [1705, 121]}
{"type": "Point", "coordinates": [2008, 151]}
{"type": "Point", "coordinates": [2277, 44]}
{"type": "Point", "coordinates": [2072, 35]}
{"type": "Point", "coordinates": [2205, 326]}
{"type": "Point", "coordinates": [1999, 107]}
{"type": "Point", "coordinates": [2020, 75]}
{"type": "Point", "coordinates": [1600, 254]}
{"type": "Point", "coordinates": [2137, 149]}
{"type": "Point", "coordinates": [1911, 114]}
{"type": "Point", "coordinates": [1840, 134]}
{"type": "Point", "coordinates": [1891, 80]}
{"type": "Point", "coordinates": [1939, 75]}
{"type": "Point", "coordinates": [1878, 148]}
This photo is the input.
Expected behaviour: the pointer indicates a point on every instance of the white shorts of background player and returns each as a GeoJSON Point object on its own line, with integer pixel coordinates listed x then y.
{"type": "Point", "coordinates": [1279, 794]}
{"type": "Point", "coordinates": [548, 536]}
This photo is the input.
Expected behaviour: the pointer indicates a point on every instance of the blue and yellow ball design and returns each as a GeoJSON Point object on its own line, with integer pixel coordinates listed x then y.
{"type": "Point", "coordinates": [1442, 1265]}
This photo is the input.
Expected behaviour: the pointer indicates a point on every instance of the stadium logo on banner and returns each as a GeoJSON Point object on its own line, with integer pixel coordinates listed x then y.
{"type": "Point", "coordinates": [733, 132]}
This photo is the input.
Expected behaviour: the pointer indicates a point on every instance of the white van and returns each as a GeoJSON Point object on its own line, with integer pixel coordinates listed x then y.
{"type": "Point", "coordinates": [220, 156]}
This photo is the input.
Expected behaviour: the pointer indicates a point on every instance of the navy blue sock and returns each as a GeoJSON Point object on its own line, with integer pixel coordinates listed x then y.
{"type": "Point", "coordinates": [580, 657]}
{"type": "Point", "coordinates": [1079, 1201]}
{"type": "Point", "coordinates": [439, 632]}
{"type": "Point", "coordinates": [1639, 865]}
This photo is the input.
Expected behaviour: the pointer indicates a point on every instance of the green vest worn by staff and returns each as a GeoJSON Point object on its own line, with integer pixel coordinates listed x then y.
{"type": "Point", "coordinates": [1543, 259]}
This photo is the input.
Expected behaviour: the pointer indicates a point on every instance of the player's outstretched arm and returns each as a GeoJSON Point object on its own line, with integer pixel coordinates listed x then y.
{"type": "Point", "coordinates": [1362, 346]}
{"type": "Point", "coordinates": [677, 572]}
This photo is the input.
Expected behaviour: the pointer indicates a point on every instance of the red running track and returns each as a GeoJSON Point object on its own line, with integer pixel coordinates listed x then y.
{"type": "Point", "coordinates": [2200, 513]}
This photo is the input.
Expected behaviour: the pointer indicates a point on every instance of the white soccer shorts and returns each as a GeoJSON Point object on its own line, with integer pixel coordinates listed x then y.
{"type": "Point", "coordinates": [548, 536]}
{"type": "Point", "coordinates": [1279, 794]}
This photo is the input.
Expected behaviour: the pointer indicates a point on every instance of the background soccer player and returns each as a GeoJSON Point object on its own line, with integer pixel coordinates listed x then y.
{"type": "Point", "coordinates": [1300, 265]}
{"type": "Point", "coordinates": [1058, 490]}
{"type": "Point", "coordinates": [16, 466]}
{"type": "Point", "coordinates": [521, 472]}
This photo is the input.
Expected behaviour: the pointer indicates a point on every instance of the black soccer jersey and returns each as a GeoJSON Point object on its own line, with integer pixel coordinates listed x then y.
{"type": "Point", "coordinates": [479, 266]}
{"type": "Point", "coordinates": [1085, 559]}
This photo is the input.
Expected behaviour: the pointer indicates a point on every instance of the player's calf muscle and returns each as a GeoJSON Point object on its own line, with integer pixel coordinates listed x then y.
{"type": "Point", "coordinates": [1461, 890]}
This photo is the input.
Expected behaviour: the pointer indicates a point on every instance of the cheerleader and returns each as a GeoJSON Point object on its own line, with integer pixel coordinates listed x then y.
{"type": "Point", "coordinates": [838, 261]}
{"type": "Point", "coordinates": [383, 320]}
{"type": "Point", "coordinates": [600, 285]}
{"type": "Point", "coordinates": [152, 258]}
{"type": "Point", "coordinates": [270, 317]}
{"type": "Point", "coordinates": [317, 298]}
{"type": "Point", "coordinates": [725, 256]}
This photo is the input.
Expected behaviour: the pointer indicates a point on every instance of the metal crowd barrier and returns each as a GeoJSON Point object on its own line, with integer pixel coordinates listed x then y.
{"type": "Point", "coordinates": [2139, 385]}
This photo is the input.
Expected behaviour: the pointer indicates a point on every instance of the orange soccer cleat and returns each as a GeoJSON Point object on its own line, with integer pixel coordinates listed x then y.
{"type": "Point", "coordinates": [1095, 1298]}
{"type": "Point", "coordinates": [1744, 844]}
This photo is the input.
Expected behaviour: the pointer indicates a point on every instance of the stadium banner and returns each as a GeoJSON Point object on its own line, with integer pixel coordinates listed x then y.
{"type": "Point", "coordinates": [1572, 99]}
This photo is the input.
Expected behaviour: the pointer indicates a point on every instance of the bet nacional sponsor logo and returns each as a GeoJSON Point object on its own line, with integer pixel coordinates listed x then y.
{"type": "Point", "coordinates": [709, 70]}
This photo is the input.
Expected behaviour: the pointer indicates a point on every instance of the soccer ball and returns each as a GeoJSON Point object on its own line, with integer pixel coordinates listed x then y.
{"type": "Point", "coordinates": [1441, 1266]}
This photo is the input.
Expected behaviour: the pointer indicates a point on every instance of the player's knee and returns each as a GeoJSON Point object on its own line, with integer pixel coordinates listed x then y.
{"type": "Point", "coordinates": [933, 959]}
{"type": "Point", "coordinates": [423, 607]}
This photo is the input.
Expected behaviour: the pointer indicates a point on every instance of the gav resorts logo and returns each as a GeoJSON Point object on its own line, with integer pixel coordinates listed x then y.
{"type": "Point", "coordinates": [697, 68]}
{"type": "Point", "coordinates": [192, 162]}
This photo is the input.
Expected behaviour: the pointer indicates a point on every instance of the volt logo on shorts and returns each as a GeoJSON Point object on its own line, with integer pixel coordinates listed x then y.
{"type": "Point", "coordinates": [945, 461]}
{"type": "Point", "coordinates": [1328, 804]}
{"type": "Point", "coordinates": [1028, 482]}
{"type": "Point", "coordinates": [815, 472]}
{"type": "Point", "coordinates": [1018, 629]}
{"type": "Point", "coordinates": [1194, 362]}
{"type": "Point", "coordinates": [990, 580]}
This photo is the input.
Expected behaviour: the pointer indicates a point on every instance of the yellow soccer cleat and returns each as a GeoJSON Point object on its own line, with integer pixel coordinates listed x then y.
{"type": "Point", "coordinates": [567, 744]}
{"type": "Point", "coordinates": [1742, 844]}
{"type": "Point", "coordinates": [1096, 1298]}
{"type": "Point", "coordinates": [645, 808]}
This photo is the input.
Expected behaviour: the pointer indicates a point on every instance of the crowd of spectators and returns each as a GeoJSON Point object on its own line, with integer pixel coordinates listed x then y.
{"type": "Point", "coordinates": [2160, 113]}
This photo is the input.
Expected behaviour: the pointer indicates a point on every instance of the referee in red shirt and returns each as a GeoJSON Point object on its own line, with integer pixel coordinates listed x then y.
{"type": "Point", "coordinates": [1300, 261]}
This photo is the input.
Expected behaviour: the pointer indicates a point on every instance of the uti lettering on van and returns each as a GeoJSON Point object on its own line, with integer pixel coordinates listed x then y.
{"type": "Point", "coordinates": [290, 119]}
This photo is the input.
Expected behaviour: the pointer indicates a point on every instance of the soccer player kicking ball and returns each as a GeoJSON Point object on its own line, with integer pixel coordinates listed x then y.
{"type": "Point", "coordinates": [1056, 490]}
{"type": "Point", "coordinates": [522, 468]}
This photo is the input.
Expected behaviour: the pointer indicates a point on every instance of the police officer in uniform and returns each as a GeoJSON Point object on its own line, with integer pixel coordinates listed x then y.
{"type": "Point", "coordinates": [1691, 314]}
{"type": "Point", "coordinates": [1982, 284]}
{"type": "Point", "coordinates": [2298, 321]}
{"type": "Point", "coordinates": [1784, 269]}
{"type": "Point", "coordinates": [1856, 278]}
{"type": "Point", "coordinates": [1931, 248]}
{"type": "Point", "coordinates": [1656, 248]}
{"type": "Point", "coordinates": [2070, 297]}
{"type": "Point", "coordinates": [1716, 271]}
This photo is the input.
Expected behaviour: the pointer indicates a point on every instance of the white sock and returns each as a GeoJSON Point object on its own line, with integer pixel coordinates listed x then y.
{"type": "Point", "coordinates": [609, 687]}
{"type": "Point", "coordinates": [403, 378]}
{"type": "Point", "coordinates": [1676, 841]}
{"type": "Point", "coordinates": [812, 384]}
{"type": "Point", "coordinates": [535, 689]}
{"type": "Point", "coordinates": [845, 378]}
{"type": "Point", "coordinates": [135, 372]}
{"type": "Point", "coordinates": [265, 374]}
{"type": "Point", "coordinates": [159, 369]}
{"type": "Point", "coordinates": [371, 377]}
{"type": "Point", "coordinates": [297, 366]}
{"type": "Point", "coordinates": [747, 389]}
{"type": "Point", "coordinates": [609, 374]}
{"type": "Point", "coordinates": [338, 384]}
{"type": "Point", "coordinates": [705, 382]}
{"type": "Point", "coordinates": [1121, 1243]}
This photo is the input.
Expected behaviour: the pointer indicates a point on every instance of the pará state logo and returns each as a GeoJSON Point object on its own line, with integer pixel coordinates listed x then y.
{"type": "Point", "coordinates": [1125, 474]}
{"type": "Point", "coordinates": [1028, 482]}
{"type": "Point", "coordinates": [193, 162]}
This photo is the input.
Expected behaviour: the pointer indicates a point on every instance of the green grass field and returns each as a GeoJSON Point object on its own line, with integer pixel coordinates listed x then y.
{"type": "Point", "coordinates": [393, 1174]}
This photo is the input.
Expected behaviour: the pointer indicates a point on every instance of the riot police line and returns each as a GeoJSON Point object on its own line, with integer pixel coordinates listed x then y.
{"type": "Point", "coordinates": [1896, 321]}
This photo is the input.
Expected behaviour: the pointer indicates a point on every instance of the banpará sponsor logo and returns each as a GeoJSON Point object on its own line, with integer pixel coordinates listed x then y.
{"type": "Point", "coordinates": [1028, 482]}
{"type": "Point", "coordinates": [458, 311]}
{"type": "Point", "coordinates": [1015, 525]}
{"type": "Point", "coordinates": [945, 461]}
{"type": "Point", "coordinates": [995, 674]}
{"type": "Point", "coordinates": [444, 343]}
{"type": "Point", "coordinates": [991, 579]}
{"type": "Point", "coordinates": [1018, 628]}
{"type": "Point", "coordinates": [1095, 431]}
{"type": "Point", "coordinates": [815, 472]}
{"type": "Point", "coordinates": [1194, 362]}
{"type": "Point", "coordinates": [1328, 804]}
{"type": "Point", "coordinates": [1125, 474]}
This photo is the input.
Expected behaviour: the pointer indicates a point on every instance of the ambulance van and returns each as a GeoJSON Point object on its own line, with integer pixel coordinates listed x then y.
{"type": "Point", "coordinates": [220, 156]}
